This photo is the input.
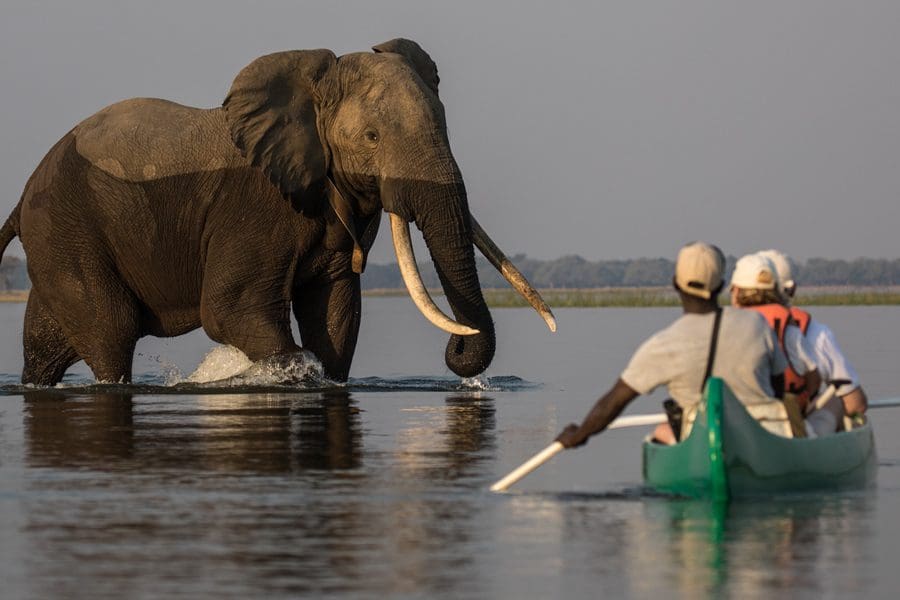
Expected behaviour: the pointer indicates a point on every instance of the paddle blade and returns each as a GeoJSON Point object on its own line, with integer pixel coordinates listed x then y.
{"type": "Point", "coordinates": [527, 467]}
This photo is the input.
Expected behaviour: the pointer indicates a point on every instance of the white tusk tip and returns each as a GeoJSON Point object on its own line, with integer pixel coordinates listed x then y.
{"type": "Point", "coordinates": [550, 320]}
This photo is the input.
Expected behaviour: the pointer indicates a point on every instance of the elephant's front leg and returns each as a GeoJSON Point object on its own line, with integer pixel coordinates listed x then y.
{"type": "Point", "coordinates": [245, 301]}
{"type": "Point", "coordinates": [328, 312]}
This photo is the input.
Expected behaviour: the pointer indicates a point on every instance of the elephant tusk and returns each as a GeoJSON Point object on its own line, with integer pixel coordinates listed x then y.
{"type": "Point", "coordinates": [406, 259]}
{"type": "Point", "coordinates": [511, 273]}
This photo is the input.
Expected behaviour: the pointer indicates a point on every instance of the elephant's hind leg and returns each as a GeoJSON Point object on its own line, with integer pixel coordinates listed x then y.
{"type": "Point", "coordinates": [48, 352]}
{"type": "Point", "coordinates": [107, 336]}
{"type": "Point", "coordinates": [100, 318]}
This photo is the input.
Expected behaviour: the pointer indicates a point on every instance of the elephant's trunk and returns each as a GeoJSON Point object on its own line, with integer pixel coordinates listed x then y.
{"type": "Point", "coordinates": [406, 260]}
{"type": "Point", "coordinates": [441, 212]}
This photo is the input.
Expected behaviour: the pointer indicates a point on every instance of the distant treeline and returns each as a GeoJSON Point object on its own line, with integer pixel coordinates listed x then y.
{"type": "Point", "coordinates": [576, 272]}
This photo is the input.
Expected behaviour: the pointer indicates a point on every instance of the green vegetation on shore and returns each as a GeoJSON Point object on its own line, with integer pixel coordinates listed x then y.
{"type": "Point", "coordinates": [576, 273]}
{"type": "Point", "coordinates": [636, 297]}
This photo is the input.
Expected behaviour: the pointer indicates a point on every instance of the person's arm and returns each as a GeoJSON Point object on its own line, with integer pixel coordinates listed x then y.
{"type": "Point", "coordinates": [825, 344]}
{"type": "Point", "coordinates": [607, 408]}
{"type": "Point", "coordinates": [856, 402]}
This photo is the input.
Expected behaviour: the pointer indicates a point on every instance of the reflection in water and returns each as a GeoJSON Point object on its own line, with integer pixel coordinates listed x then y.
{"type": "Point", "coordinates": [433, 523]}
{"type": "Point", "coordinates": [464, 426]}
{"type": "Point", "coordinates": [205, 495]}
{"type": "Point", "coordinates": [698, 549]}
{"type": "Point", "coordinates": [263, 433]}
{"type": "Point", "coordinates": [71, 431]}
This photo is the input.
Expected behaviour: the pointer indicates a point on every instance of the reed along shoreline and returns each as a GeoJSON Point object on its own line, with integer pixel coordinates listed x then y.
{"type": "Point", "coordinates": [640, 297]}
{"type": "Point", "coordinates": [629, 297]}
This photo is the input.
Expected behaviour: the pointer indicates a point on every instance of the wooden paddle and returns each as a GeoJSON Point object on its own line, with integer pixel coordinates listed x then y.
{"type": "Point", "coordinates": [884, 403]}
{"type": "Point", "coordinates": [630, 421]}
{"type": "Point", "coordinates": [550, 451]}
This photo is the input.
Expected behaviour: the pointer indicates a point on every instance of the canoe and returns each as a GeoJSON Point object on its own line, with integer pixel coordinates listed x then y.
{"type": "Point", "coordinates": [729, 454]}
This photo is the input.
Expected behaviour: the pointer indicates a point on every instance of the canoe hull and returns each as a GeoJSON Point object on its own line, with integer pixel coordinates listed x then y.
{"type": "Point", "coordinates": [730, 455]}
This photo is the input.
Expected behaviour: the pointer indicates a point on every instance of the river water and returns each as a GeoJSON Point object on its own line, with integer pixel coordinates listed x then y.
{"type": "Point", "coordinates": [379, 487]}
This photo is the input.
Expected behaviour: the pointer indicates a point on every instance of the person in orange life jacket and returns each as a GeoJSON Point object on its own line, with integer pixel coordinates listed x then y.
{"type": "Point", "coordinates": [745, 354]}
{"type": "Point", "coordinates": [754, 286]}
{"type": "Point", "coordinates": [831, 362]}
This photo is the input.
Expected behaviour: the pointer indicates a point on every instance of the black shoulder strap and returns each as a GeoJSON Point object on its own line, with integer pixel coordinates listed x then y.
{"type": "Point", "coordinates": [712, 347]}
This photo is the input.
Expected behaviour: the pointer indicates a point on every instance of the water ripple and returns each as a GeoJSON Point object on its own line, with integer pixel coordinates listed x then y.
{"type": "Point", "coordinates": [157, 384]}
{"type": "Point", "coordinates": [227, 370]}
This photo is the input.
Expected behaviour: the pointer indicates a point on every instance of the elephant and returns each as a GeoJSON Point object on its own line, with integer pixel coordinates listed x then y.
{"type": "Point", "coordinates": [154, 218]}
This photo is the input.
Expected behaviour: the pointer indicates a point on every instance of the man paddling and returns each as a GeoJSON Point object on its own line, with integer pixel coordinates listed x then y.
{"type": "Point", "coordinates": [705, 340]}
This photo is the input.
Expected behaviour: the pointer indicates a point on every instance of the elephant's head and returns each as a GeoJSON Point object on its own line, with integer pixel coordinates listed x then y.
{"type": "Point", "coordinates": [368, 129]}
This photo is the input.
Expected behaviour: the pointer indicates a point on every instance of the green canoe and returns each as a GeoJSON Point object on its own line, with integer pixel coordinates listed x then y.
{"type": "Point", "coordinates": [728, 454]}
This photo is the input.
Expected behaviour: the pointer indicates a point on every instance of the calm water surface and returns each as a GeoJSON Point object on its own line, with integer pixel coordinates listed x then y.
{"type": "Point", "coordinates": [380, 487]}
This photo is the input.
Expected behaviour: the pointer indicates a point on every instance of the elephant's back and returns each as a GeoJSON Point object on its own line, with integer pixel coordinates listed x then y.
{"type": "Point", "coordinates": [129, 189]}
{"type": "Point", "coordinates": [143, 139]}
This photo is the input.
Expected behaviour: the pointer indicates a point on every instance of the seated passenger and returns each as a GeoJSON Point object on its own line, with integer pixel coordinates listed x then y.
{"type": "Point", "coordinates": [754, 285]}
{"type": "Point", "coordinates": [830, 361]}
{"type": "Point", "coordinates": [705, 340]}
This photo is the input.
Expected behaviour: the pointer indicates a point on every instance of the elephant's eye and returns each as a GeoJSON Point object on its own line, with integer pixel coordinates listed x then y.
{"type": "Point", "coordinates": [372, 136]}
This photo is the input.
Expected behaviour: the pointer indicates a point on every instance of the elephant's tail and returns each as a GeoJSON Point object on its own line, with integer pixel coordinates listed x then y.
{"type": "Point", "coordinates": [10, 229]}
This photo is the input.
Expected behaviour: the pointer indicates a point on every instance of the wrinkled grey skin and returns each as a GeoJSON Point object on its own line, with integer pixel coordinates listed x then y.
{"type": "Point", "coordinates": [152, 218]}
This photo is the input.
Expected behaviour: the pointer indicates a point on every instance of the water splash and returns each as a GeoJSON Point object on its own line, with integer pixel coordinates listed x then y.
{"type": "Point", "coordinates": [226, 365]}
{"type": "Point", "coordinates": [222, 362]}
{"type": "Point", "coordinates": [300, 367]}
{"type": "Point", "coordinates": [480, 383]}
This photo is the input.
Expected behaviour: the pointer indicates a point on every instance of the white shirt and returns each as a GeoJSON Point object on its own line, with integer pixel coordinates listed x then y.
{"type": "Point", "coordinates": [799, 350]}
{"type": "Point", "coordinates": [747, 356]}
{"type": "Point", "coordinates": [830, 361]}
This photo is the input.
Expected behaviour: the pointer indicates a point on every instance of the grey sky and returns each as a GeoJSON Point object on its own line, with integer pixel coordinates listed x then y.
{"type": "Point", "coordinates": [609, 130]}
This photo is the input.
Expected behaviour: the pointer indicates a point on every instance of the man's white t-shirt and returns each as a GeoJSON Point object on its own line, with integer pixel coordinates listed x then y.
{"type": "Point", "coordinates": [747, 356]}
{"type": "Point", "coordinates": [830, 361]}
{"type": "Point", "coordinates": [800, 352]}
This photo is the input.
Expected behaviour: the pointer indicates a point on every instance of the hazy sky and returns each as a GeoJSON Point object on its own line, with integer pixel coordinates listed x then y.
{"type": "Point", "coordinates": [605, 129]}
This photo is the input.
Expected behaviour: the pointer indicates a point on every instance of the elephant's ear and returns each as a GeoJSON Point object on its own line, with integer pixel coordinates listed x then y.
{"type": "Point", "coordinates": [418, 58]}
{"type": "Point", "coordinates": [271, 110]}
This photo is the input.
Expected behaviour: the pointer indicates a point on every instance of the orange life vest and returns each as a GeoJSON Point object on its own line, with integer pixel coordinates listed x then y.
{"type": "Point", "coordinates": [779, 317]}
{"type": "Point", "coordinates": [800, 318]}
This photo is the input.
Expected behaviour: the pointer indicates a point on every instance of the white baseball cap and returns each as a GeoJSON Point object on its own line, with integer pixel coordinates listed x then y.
{"type": "Point", "coordinates": [699, 269]}
{"type": "Point", "coordinates": [782, 266]}
{"type": "Point", "coordinates": [754, 272]}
